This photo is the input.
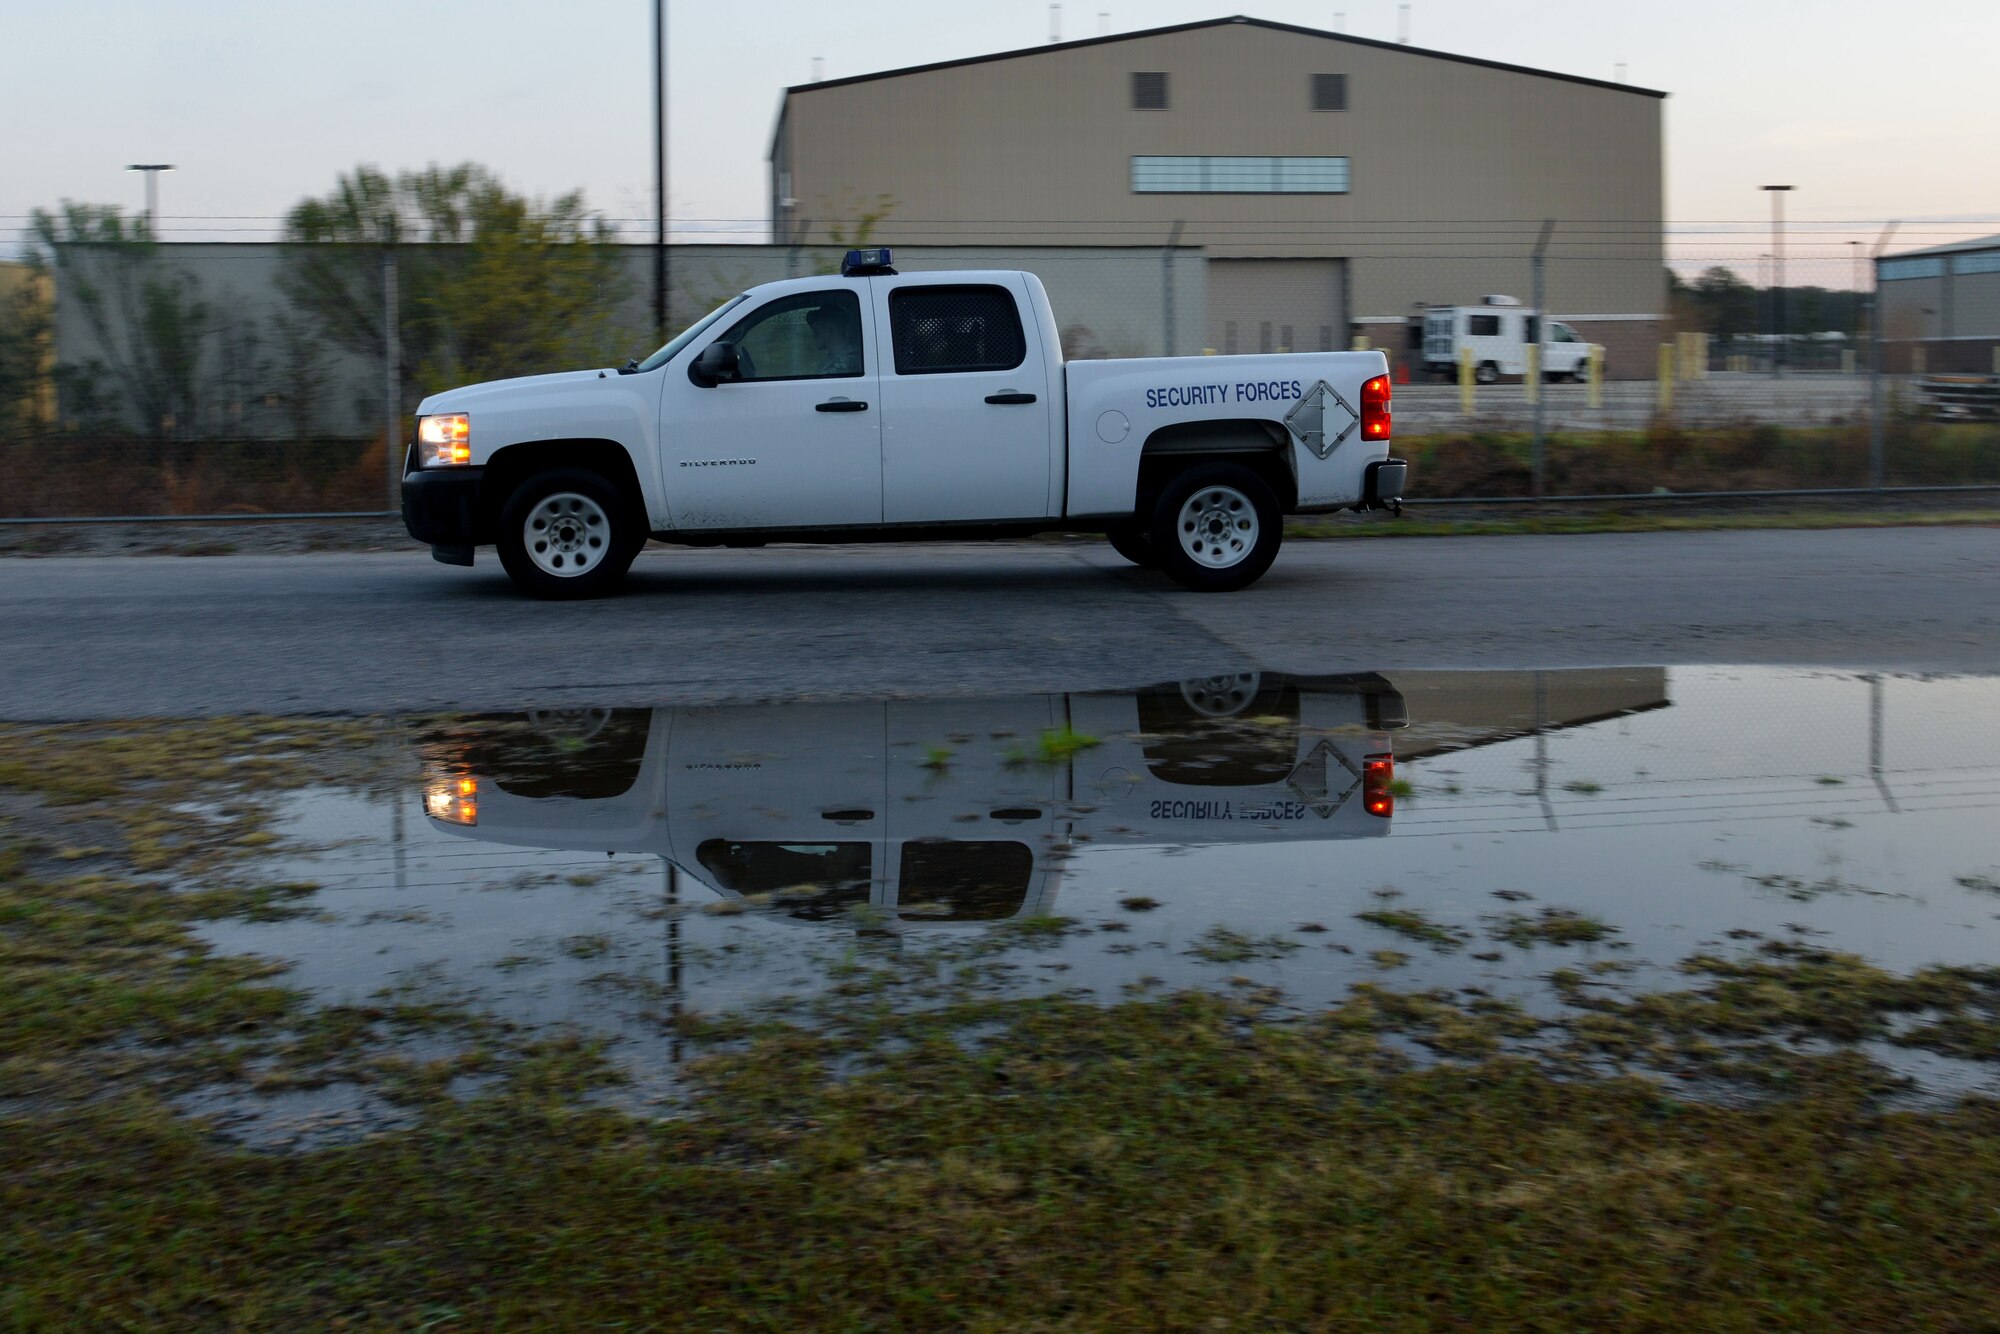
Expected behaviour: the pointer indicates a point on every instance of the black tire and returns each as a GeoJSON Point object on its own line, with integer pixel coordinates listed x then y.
{"type": "Point", "coordinates": [587, 501]}
{"type": "Point", "coordinates": [1236, 495]}
{"type": "Point", "coordinates": [1486, 372]}
{"type": "Point", "coordinates": [1134, 543]}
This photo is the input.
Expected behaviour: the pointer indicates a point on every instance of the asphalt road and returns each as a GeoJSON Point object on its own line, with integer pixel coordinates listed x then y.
{"type": "Point", "coordinates": [350, 633]}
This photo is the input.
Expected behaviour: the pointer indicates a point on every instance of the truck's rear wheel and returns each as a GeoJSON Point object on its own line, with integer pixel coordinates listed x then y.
{"type": "Point", "coordinates": [1216, 528]}
{"type": "Point", "coordinates": [1487, 372]}
{"type": "Point", "coordinates": [1134, 543]}
{"type": "Point", "coordinates": [566, 533]}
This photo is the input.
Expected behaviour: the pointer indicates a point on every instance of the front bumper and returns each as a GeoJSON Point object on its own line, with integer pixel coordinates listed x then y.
{"type": "Point", "coordinates": [441, 506]}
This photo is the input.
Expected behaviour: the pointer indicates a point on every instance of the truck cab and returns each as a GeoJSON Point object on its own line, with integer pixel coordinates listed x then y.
{"type": "Point", "coordinates": [873, 405]}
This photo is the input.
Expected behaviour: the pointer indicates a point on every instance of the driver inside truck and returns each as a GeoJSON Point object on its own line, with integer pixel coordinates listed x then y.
{"type": "Point", "coordinates": [839, 341]}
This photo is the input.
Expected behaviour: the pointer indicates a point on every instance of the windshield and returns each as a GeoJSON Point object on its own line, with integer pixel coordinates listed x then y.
{"type": "Point", "coordinates": [689, 334]}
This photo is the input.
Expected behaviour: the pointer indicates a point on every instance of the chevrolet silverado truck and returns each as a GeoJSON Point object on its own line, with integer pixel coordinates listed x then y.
{"type": "Point", "coordinates": [883, 406]}
{"type": "Point", "coordinates": [926, 810]}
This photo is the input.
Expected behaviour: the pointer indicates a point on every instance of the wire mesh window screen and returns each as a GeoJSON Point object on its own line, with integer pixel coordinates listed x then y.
{"type": "Point", "coordinates": [1149, 92]}
{"type": "Point", "coordinates": [972, 882]}
{"type": "Point", "coordinates": [1329, 92]}
{"type": "Point", "coordinates": [942, 329]}
{"type": "Point", "coordinates": [1239, 175]}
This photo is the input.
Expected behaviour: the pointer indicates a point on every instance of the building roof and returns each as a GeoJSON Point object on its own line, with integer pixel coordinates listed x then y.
{"type": "Point", "coordinates": [1981, 243]}
{"type": "Point", "coordinates": [1219, 23]}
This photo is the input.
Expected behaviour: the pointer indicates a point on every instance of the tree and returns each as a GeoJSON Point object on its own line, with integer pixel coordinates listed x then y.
{"type": "Point", "coordinates": [149, 322]}
{"type": "Point", "coordinates": [25, 349]}
{"type": "Point", "coordinates": [1724, 303]}
{"type": "Point", "coordinates": [489, 283]}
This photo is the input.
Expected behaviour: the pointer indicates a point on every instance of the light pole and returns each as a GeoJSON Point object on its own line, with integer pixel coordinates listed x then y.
{"type": "Point", "coordinates": [660, 169]}
{"type": "Point", "coordinates": [152, 170]}
{"type": "Point", "coordinates": [1777, 193]}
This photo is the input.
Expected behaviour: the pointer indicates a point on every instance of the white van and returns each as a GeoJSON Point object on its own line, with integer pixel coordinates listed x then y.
{"type": "Point", "coordinates": [1498, 333]}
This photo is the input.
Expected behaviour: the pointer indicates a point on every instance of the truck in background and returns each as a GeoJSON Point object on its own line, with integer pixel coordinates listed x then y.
{"type": "Point", "coordinates": [1497, 334]}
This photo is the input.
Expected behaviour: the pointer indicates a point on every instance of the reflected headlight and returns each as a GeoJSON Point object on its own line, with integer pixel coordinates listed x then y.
{"type": "Point", "coordinates": [444, 440]}
{"type": "Point", "coordinates": [454, 800]}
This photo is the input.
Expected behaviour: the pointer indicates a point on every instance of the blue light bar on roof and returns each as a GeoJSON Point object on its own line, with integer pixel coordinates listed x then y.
{"type": "Point", "coordinates": [866, 263]}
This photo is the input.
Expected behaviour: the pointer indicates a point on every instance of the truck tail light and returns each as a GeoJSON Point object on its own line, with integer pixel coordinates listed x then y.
{"type": "Point", "coordinates": [1377, 773]}
{"type": "Point", "coordinates": [1375, 409]}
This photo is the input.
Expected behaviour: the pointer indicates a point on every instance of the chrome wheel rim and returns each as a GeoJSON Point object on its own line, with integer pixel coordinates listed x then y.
{"type": "Point", "coordinates": [1221, 696]}
{"type": "Point", "coordinates": [567, 534]}
{"type": "Point", "coordinates": [1218, 527]}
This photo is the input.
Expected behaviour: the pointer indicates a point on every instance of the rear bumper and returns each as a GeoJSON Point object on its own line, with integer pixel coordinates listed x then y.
{"type": "Point", "coordinates": [442, 507]}
{"type": "Point", "coordinates": [1382, 483]}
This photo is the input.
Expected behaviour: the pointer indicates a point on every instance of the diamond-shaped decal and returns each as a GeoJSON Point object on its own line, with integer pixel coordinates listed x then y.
{"type": "Point", "coordinates": [1308, 420]}
{"type": "Point", "coordinates": [1315, 776]}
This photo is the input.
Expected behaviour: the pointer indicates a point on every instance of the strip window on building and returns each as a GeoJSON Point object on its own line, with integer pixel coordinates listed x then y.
{"type": "Point", "coordinates": [1931, 267]}
{"type": "Point", "coordinates": [1986, 261]}
{"type": "Point", "coordinates": [1239, 175]}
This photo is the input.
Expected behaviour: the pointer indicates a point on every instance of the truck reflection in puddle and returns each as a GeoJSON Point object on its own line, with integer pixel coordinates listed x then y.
{"type": "Point", "coordinates": [932, 810]}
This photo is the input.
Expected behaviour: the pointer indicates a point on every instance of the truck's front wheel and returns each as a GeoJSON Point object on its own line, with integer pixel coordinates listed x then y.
{"type": "Point", "coordinates": [566, 533]}
{"type": "Point", "coordinates": [1216, 528]}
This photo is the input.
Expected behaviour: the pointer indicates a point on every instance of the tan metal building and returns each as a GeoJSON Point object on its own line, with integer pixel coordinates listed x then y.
{"type": "Point", "coordinates": [1942, 301]}
{"type": "Point", "coordinates": [1334, 183]}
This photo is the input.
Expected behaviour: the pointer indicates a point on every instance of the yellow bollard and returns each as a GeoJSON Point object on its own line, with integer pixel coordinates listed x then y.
{"type": "Point", "coordinates": [1701, 356]}
{"type": "Point", "coordinates": [1996, 360]}
{"type": "Point", "coordinates": [1597, 375]}
{"type": "Point", "coordinates": [1208, 352]}
{"type": "Point", "coordinates": [1465, 382]}
{"type": "Point", "coordinates": [1847, 361]}
{"type": "Point", "coordinates": [1531, 378]}
{"type": "Point", "coordinates": [1918, 360]}
{"type": "Point", "coordinates": [1361, 342]}
{"type": "Point", "coordinates": [1665, 378]}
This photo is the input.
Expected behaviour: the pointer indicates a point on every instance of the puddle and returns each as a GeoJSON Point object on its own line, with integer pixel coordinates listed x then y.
{"type": "Point", "coordinates": [1517, 835]}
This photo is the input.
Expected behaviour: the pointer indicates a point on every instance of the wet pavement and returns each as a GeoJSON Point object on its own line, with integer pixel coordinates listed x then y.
{"type": "Point", "coordinates": [1527, 836]}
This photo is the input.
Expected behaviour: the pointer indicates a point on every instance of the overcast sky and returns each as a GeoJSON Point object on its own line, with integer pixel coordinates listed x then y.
{"type": "Point", "coordinates": [1873, 111]}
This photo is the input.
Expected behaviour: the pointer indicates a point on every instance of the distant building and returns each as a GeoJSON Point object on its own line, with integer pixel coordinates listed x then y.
{"type": "Point", "coordinates": [1334, 184]}
{"type": "Point", "coordinates": [1944, 301]}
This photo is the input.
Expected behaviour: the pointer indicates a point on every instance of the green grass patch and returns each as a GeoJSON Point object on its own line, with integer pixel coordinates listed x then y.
{"type": "Point", "coordinates": [1551, 926]}
{"type": "Point", "coordinates": [1414, 924]}
{"type": "Point", "coordinates": [914, 1150]}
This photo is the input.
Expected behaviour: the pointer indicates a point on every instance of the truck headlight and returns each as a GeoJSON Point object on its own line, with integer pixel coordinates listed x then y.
{"type": "Point", "coordinates": [451, 798]}
{"type": "Point", "coordinates": [444, 441]}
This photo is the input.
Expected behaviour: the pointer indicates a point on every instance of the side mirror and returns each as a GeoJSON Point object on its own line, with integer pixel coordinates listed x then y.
{"type": "Point", "coordinates": [716, 363]}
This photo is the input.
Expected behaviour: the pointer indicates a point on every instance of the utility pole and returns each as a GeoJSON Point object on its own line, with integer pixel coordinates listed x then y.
{"type": "Point", "coordinates": [1539, 298]}
{"type": "Point", "coordinates": [660, 170]}
{"type": "Point", "coordinates": [1875, 448]}
{"type": "Point", "coordinates": [1777, 193]}
{"type": "Point", "coordinates": [152, 170]}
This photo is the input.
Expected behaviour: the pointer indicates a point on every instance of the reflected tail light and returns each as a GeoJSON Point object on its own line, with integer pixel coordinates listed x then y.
{"type": "Point", "coordinates": [1377, 773]}
{"type": "Point", "coordinates": [1375, 420]}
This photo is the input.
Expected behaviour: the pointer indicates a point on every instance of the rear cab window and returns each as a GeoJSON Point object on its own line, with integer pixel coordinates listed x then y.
{"type": "Point", "coordinates": [957, 328]}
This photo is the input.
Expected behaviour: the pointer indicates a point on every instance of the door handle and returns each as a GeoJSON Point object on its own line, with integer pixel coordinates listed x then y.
{"type": "Point", "coordinates": [841, 405]}
{"type": "Point", "coordinates": [855, 816]}
{"type": "Point", "coordinates": [1010, 397]}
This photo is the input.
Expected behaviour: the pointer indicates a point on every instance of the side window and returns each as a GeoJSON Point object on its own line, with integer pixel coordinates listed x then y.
{"type": "Point", "coordinates": [1563, 333]}
{"type": "Point", "coordinates": [937, 330]}
{"type": "Point", "coordinates": [811, 336]}
{"type": "Point", "coordinates": [1483, 326]}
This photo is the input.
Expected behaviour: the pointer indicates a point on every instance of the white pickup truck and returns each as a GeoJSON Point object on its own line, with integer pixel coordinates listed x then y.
{"type": "Point", "coordinates": [877, 406]}
{"type": "Point", "coordinates": [927, 810]}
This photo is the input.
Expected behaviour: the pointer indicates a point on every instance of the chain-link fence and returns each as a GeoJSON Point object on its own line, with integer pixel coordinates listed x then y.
{"type": "Point", "coordinates": [144, 377]}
